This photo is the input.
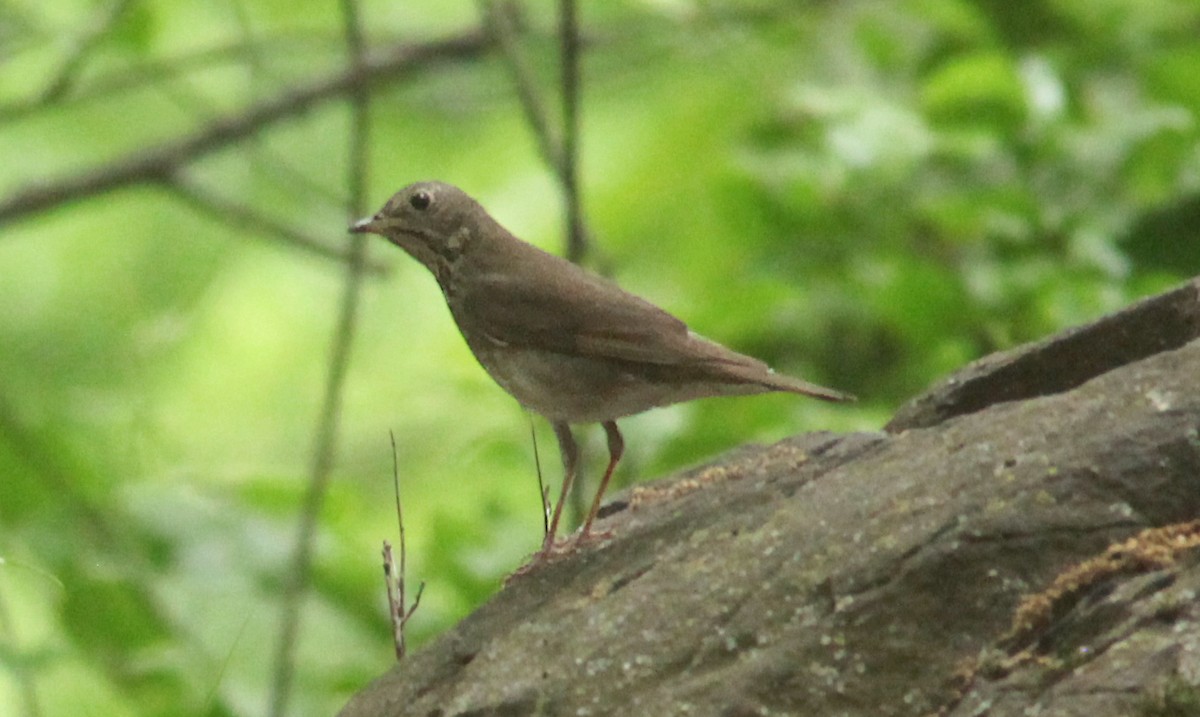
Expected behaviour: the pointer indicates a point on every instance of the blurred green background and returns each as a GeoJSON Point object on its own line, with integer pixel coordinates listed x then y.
{"type": "Point", "coordinates": [866, 194]}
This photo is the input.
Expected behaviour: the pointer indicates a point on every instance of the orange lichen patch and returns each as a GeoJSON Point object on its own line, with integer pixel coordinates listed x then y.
{"type": "Point", "coordinates": [734, 470]}
{"type": "Point", "coordinates": [645, 495]}
{"type": "Point", "coordinates": [1151, 549]}
{"type": "Point", "coordinates": [777, 454]}
{"type": "Point", "coordinates": [962, 678]}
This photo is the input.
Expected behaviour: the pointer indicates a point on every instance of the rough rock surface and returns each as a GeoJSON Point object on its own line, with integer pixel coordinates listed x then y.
{"type": "Point", "coordinates": [885, 573]}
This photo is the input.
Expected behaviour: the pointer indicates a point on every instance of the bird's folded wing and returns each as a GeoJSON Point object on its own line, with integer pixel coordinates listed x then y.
{"type": "Point", "coordinates": [573, 312]}
{"type": "Point", "coordinates": [564, 309]}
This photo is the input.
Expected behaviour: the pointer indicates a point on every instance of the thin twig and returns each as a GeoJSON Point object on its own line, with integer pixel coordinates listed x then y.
{"type": "Point", "coordinates": [394, 601]}
{"type": "Point", "coordinates": [261, 157]}
{"type": "Point", "coordinates": [246, 216]}
{"type": "Point", "coordinates": [299, 576]}
{"type": "Point", "coordinates": [559, 150]}
{"type": "Point", "coordinates": [152, 72]}
{"type": "Point", "coordinates": [398, 611]}
{"type": "Point", "coordinates": [577, 243]}
{"type": "Point", "coordinates": [158, 164]}
{"type": "Point", "coordinates": [543, 489]}
{"type": "Point", "coordinates": [499, 25]}
{"type": "Point", "coordinates": [68, 72]}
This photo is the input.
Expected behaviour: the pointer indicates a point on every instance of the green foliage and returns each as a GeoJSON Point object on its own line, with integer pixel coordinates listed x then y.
{"type": "Point", "coordinates": [866, 194]}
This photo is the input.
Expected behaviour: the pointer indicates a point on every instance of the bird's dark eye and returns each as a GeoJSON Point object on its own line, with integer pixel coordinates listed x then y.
{"type": "Point", "coordinates": [420, 201]}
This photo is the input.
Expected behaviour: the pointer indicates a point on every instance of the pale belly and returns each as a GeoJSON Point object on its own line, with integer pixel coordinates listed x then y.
{"type": "Point", "coordinates": [582, 390]}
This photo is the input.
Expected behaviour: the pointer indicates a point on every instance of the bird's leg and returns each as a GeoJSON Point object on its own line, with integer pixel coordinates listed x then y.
{"type": "Point", "coordinates": [570, 458]}
{"type": "Point", "coordinates": [616, 447]}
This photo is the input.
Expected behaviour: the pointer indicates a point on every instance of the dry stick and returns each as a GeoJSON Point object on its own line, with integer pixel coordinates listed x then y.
{"type": "Point", "coordinates": [543, 489]}
{"type": "Point", "coordinates": [397, 610]}
{"type": "Point", "coordinates": [298, 577]}
{"type": "Point", "coordinates": [394, 580]}
{"type": "Point", "coordinates": [246, 216]}
{"type": "Point", "coordinates": [157, 165]}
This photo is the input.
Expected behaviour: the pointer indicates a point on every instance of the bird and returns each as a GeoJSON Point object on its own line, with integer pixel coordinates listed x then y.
{"type": "Point", "coordinates": [568, 344]}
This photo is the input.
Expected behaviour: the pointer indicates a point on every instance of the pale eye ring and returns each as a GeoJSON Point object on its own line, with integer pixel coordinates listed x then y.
{"type": "Point", "coordinates": [420, 200]}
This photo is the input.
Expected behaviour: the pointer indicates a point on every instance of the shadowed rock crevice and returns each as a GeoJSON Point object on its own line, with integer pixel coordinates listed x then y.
{"type": "Point", "coordinates": [879, 573]}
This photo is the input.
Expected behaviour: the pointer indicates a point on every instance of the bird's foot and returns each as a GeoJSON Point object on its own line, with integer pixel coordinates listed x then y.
{"type": "Point", "coordinates": [592, 536]}
{"type": "Point", "coordinates": [553, 550]}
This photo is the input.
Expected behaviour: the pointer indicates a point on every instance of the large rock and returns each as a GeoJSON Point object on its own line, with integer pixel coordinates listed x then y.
{"type": "Point", "coordinates": [900, 573]}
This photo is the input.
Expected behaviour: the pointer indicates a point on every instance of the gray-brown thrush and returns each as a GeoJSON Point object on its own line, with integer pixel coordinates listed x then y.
{"type": "Point", "coordinates": [565, 343]}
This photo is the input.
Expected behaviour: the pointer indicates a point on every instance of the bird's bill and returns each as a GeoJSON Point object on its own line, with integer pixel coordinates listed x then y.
{"type": "Point", "coordinates": [385, 227]}
{"type": "Point", "coordinates": [369, 225]}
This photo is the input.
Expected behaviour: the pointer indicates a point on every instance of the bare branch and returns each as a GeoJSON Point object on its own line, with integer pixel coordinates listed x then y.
{"type": "Point", "coordinates": [157, 165]}
{"type": "Point", "coordinates": [499, 24]}
{"type": "Point", "coordinates": [325, 444]}
{"type": "Point", "coordinates": [558, 150]}
{"type": "Point", "coordinates": [577, 243]}
{"type": "Point", "coordinates": [245, 216]}
{"type": "Point", "coordinates": [149, 73]}
{"type": "Point", "coordinates": [559, 154]}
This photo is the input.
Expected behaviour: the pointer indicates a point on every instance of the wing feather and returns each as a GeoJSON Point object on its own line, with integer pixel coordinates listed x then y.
{"type": "Point", "coordinates": [547, 303]}
{"type": "Point", "coordinates": [580, 315]}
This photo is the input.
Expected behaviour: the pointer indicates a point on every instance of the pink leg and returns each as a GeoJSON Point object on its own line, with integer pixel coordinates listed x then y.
{"type": "Point", "coordinates": [616, 447]}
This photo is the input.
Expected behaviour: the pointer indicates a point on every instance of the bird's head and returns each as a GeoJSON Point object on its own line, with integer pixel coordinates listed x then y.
{"type": "Point", "coordinates": [433, 221]}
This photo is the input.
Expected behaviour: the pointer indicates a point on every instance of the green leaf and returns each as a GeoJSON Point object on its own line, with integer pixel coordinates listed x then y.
{"type": "Point", "coordinates": [981, 90]}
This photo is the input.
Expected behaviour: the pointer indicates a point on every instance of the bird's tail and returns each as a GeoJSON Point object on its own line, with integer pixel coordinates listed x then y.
{"type": "Point", "coordinates": [752, 373]}
{"type": "Point", "coordinates": [780, 382]}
